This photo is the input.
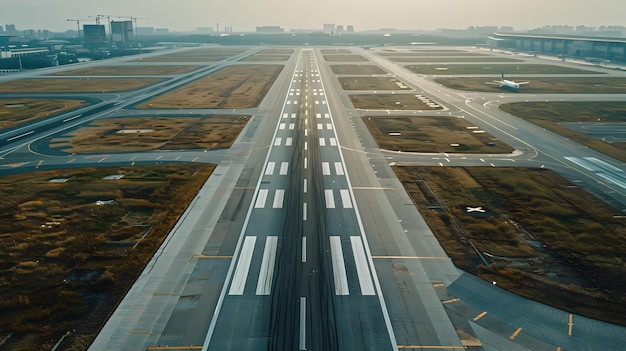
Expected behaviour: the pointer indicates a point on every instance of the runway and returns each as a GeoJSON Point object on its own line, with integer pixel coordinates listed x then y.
{"type": "Point", "coordinates": [304, 239]}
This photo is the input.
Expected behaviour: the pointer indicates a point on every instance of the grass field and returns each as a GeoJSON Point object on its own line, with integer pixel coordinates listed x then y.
{"type": "Point", "coordinates": [240, 86]}
{"type": "Point", "coordinates": [277, 51]}
{"type": "Point", "coordinates": [372, 83]}
{"type": "Point", "coordinates": [431, 134]}
{"type": "Point", "coordinates": [392, 102]}
{"type": "Point", "coordinates": [154, 133]}
{"type": "Point", "coordinates": [549, 115]}
{"type": "Point", "coordinates": [195, 55]}
{"type": "Point", "coordinates": [590, 85]}
{"type": "Point", "coordinates": [335, 51]}
{"type": "Point", "coordinates": [266, 58]}
{"type": "Point", "coordinates": [357, 69]}
{"type": "Point", "coordinates": [437, 60]}
{"type": "Point", "coordinates": [345, 58]}
{"type": "Point", "coordinates": [495, 69]}
{"type": "Point", "coordinates": [67, 259]}
{"type": "Point", "coordinates": [442, 55]}
{"type": "Point", "coordinates": [544, 238]}
{"type": "Point", "coordinates": [134, 70]}
{"type": "Point", "coordinates": [76, 85]}
{"type": "Point", "coordinates": [15, 112]}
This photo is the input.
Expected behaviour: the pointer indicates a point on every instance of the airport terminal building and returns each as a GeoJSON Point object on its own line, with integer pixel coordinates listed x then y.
{"type": "Point", "coordinates": [589, 48]}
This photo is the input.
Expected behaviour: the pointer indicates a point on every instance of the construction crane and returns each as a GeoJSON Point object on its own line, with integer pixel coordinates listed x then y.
{"type": "Point", "coordinates": [131, 17]}
{"type": "Point", "coordinates": [97, 18]}
{"type": "Point", "coordinates": [77, 23]}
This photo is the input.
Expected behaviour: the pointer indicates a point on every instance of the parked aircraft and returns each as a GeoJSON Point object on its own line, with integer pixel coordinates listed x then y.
{"type": "Point", "coordinates": [503, 83]}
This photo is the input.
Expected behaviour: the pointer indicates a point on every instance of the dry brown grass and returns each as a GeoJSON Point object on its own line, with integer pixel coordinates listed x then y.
{"type": "Point", "coordinates": [508, 69]}
{"type": "Point", "coordinates": [240, 86]}
{"type": "Point", "coordinates": [357, 69]}
{"type": "Point", "coordinates": [57, 272]}
{"type": "Point", "coordinates": [550, 241]}
{"type": "Point", "coordinates": [266, 58]}
{"type": "Point", "coordinates": [591, 85]}
{"type": "Point", "coordinates": [345, 58]}
{"type": "Point", "coordinates": [167, 133]}
{"type": "Point", "coordinates": [436, 60]}
{"type": "Point", "coordinates": [390, 102]}
{"type": "Point", "coordinates": [76, 85]}
{"type": "Point", "coordinates": [335, 51]}
{"type": "Point", "coordinates": [195, 55]}
{"type": "Point", "coordinates": [15, 112]}
{"type": "Point", "coordinates": [134, 70]}
{"type": "Point", "coordinates": [550, 115]}
{"type": "Point", "coordinates": [372, 83]}
{"type": "Point", "coordinates": [431, 134]}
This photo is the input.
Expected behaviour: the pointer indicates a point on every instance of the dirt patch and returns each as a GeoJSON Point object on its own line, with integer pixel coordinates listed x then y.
{"type": "Point", "coordinates": [277, 51]}
{"type": "Point", "coordinates": [589, 85]}
{"type": "Point", "coordinates": [76, 85]}
{"type": "Point", "coordinates": [550, 114]}
{"type": "Point", "coordinates": [134, 70]}
{"type": "Point", "coordinates": [153, 133]}
{"type": "Point", "coordinates": [497, 68]}
{"type": "Point", "coordinates": [15, 112]}
{"type": "Point", "coordinates": [372, 83]}
{"type": "Point", "coordinates": [542, 237]}
{"type": "Point", "coordinates": [432, 134]}
{"type": "Point", "coordinates": [241, 86]}
{"type": "Point", "coordinates": [67, 259]}
{"type": "Point", "coordinates": [357, 69]}
{"type": "Point", "coordinates": [393, 102]}
{"type": "Point", "coordinates": [345, 58]}
{"type": "Point", "coordinates": [442, 54]}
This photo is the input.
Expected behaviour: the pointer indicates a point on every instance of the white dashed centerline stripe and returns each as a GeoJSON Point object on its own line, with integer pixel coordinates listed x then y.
{"type": "Point", "coordinates": [264, 285]}
{"type": "Point", "coordinates": [284, 168]}
{"type": "Point", "coordinates": [330, 199]}
{"type": "Point", "coordinates": [305, 186]}
{"type": "Point", "coordinates": [269, 170]}
{"type": "Point", "coordinates": [339, 267]}
{"type": "Point", "coordinates": [304, 249]}
{"type": "Point", "coordinates": [279, 197]}
{"type": "Point", "coordinates": [304, 213]}
{"type": "Point", "coordinates": [243, 266]}
{"type": "Point", "coordinates": [362, 269]}
{"type": "Point", "coordinates": [261, 198]}
{"type": "Point", "coordinates": [302, 344]}
{"type": "Point", "coordinates": [345, 198]}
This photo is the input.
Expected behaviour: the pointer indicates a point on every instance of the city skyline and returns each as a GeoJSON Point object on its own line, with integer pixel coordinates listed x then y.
{"type": "Point", "coordinates": [246, 15]}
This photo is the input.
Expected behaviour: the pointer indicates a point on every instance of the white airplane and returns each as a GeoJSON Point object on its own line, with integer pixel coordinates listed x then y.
{"type": "Point", "coordinates": [503, 83]}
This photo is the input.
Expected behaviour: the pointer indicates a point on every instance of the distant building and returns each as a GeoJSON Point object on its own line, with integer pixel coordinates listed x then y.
{"type": "Point", "coordinates": [350, 28]}
{"type": "Point", "coordinates": [339, 28]}
{"type": "Point", "coordinates": [1, 29]}
{"type": "Point", "coordinates": [205, 30]}
{"type": "Point", "coordinates": [328, 28]}
{"type": "Point", "coordinates": [11, 30]}
{"type": "Point", "coordinates": [122, 32]}
{"type": "Point", "coordinates": [270, 29]}
{"type": "Point", "coordinates": [145, 31]}
{"type": "Point", "coordinates": [95, 35]}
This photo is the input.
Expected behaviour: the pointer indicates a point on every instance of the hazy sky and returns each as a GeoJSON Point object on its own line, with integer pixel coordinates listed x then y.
{"type": "Point", "coordinates": [245, 15]}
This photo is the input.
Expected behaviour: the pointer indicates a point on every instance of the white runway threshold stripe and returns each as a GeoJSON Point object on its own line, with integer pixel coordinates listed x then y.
{"type": "Point", "coordinates": [284, 168]}
{"type": "Point", "coordinates": [269, 170]}
{"type": "Point", "coordinates": [345, 198]}
{"type": "Point", "coordinates": [330, 199]}
{"type": "Point", "coordinates": [339, 267]}
{"type": "Point", "coordinates": [261, 198]}
{"type": "Point", "coordinates": [243, 266]}
{"type": "Point", "coordinates": [362, 266]}
{"type": "Point", "coordinates": [264, 285]}
{"type": "Point", "coordinates": [279, 196]}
